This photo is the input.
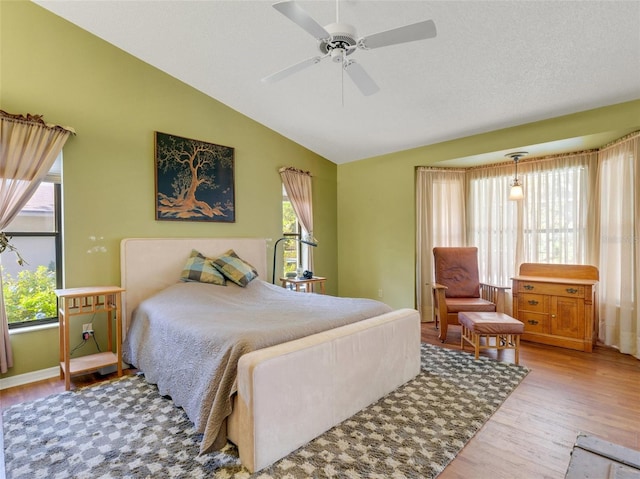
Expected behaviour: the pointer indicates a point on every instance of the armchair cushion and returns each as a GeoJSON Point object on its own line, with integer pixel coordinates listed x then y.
{"type": "Point", "coordinates": [477, 305]}
{"type": "Point", "coordinates": [457, 269]}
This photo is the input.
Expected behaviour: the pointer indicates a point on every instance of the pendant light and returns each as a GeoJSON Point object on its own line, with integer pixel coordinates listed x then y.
{"type": "Point", "coordinates": [516, 192]}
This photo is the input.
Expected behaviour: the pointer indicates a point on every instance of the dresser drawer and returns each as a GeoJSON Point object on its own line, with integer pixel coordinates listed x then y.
{"type": "Point", "coordinates": [553, 289]}
{"type": "Point", "coordinates": [537, 303]}
{"type": "Point", "coordinates": [534, 322]}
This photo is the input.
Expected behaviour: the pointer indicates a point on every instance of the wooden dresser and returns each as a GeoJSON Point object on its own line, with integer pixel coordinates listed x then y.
{"type": "Point", "coordinates": [557, 304]}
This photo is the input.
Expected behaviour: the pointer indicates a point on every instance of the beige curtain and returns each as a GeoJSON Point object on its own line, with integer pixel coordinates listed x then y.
{"type": "Point", "coordinates": [492, 221]}
{"type": "Point", "coordinates": [619, 262]}
{"type": "Point", "coordinates": [28, 149]}
{"type": "Point", "coordinates": [440, 221]}
{"type": "Point", "coordinates": [558, 195]}
{"type": "Point", "coordinates": [551, 224]}
{"type": "Point", "coordinates": [297, 184]}
{"type": "Point", "coordinates": [554, 214]}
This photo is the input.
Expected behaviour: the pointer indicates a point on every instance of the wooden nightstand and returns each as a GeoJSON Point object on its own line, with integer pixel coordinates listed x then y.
{"type": "Point", "coordinates": [309, 284]}
{"type": "Point", "coordinates": [89, 301]}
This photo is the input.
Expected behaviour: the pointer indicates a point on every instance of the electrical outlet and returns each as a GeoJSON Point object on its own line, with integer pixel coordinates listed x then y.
{"type": "Point", "coordinates": [87, 331]}
{"type": "Point", "coordinates": [380, 293]}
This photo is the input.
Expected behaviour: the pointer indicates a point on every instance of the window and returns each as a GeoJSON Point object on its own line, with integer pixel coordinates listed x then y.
{"type": "Point", "coordinates": [550, 225]}
{"type": "Point", "coordinates": [35, 231]}
{"type": "Point", "coordinates": [493, 226]}
{"type": "Point", "coordinates": [555, 215]}
{"type": "Point", "coordinates": [290, 227]}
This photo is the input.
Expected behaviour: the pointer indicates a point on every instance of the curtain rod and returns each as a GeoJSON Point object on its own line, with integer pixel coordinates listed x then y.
{"type": "Point", "coordinates": [291, 168]}
{"type": "Point", "coordinates": [620, 140]}
{"type": "Point", "coordinates": [441, 168]}
{"type": "Point", "coordinates": [539, 159]}
{"type": "Point", "coordinates": [510, 162]}
{"type": "Point", "coordinates": [33, 119]}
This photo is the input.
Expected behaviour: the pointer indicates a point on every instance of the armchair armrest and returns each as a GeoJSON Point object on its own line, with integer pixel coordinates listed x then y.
{"type": "Point", "coordinates": [439, 303]}
{"type": "Point", "coordinates": [495, 294]}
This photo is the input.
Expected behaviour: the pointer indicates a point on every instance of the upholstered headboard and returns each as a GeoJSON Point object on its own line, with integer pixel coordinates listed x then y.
{"type": "Point", "coordinates": [148, 265]}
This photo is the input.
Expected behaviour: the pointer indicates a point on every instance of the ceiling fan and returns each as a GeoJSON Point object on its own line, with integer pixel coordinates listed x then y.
{"type": "Point", "coordinates": [339, 40]}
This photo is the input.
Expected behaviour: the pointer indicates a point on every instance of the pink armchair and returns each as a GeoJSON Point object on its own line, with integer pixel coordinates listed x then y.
{"type": "Point", "coordinates": [457, 287]}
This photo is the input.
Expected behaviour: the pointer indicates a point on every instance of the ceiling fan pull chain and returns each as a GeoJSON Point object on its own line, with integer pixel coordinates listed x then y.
{"type": "Point", "coordinates": [342, 80]}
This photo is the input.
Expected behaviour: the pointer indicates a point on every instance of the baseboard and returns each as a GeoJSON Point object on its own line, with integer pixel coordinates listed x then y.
{"type": "Point", "coordinates": [26, 378]}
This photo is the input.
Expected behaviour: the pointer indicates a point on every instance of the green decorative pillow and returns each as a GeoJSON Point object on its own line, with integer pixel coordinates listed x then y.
{"type": "Point", "coordinates": [234, 268]}
{"type": "Point", "coordinates": [200, 268]}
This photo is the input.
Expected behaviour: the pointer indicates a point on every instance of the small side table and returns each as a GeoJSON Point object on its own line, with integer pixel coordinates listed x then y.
{"type": "Point", "coordinates": [309, 284]}
{"type": "Point", "coordinates": [89, 301]}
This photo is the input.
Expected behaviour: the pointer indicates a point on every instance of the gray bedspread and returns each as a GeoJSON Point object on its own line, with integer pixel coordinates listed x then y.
{"type": "Point", "coordinates": [188, 338]}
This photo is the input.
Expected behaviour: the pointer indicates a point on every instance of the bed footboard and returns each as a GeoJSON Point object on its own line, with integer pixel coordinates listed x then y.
{"type": "Point", "coordinates": [291, 393]}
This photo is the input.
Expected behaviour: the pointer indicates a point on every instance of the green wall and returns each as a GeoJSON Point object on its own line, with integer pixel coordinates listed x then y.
{"type": "Point", "coordinates": [376, 198]}
{"type": "Point", "coordinates": [115, 103]}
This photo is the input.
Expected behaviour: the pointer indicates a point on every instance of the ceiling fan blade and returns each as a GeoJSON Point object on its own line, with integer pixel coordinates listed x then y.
{"type": "Point", "coordinates": [361, 78]}
{"type": "Point", "coordinates": [408, 33]}
{"type": "Point", "coordinates": [290, 70]}
{"type": "Point", "coordinates": [299, 16]}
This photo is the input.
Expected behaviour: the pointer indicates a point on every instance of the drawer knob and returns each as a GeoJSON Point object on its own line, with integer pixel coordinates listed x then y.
{"type": "Point", "coordinates": [532, 322]}
{"type": "Point", "coordinates": [572, 290]}
{"type": "Point", "coordinates": [533, 302]}
{"type": "Point", "coordinates": [528, 287]}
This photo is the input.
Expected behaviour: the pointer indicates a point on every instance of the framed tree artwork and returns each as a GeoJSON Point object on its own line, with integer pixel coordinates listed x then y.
{"type": "Point", "coordinates": [194, 180]}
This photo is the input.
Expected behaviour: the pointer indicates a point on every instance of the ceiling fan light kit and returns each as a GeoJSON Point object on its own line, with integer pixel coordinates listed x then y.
{"type": "Point", "coordinates": [342, 36]}
{"type": "Point", "coordinates": [339, 40]}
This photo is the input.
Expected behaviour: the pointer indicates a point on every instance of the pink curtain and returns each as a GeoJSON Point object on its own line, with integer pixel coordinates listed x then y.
{"type": "Point", "coordinates": [28, 149]}
{"type": "Point", "coordinates": [297, 184]}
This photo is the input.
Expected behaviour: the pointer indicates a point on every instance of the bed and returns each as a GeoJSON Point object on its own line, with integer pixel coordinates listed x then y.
{"type": "Point", "coordinates": [276, 397]}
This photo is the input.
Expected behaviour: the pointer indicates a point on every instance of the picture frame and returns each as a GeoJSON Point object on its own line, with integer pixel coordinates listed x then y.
{"type": "Point", "coordinates": [194, 180]}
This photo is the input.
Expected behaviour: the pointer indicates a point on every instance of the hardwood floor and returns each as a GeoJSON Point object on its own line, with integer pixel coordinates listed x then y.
{"type": "Point", "coordinates": [531, 435]}
{"type": "Point", "coordinates": [566, 392]}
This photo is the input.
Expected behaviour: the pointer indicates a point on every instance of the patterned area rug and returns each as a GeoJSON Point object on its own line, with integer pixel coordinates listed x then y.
{"type": "Point", "coordinates": [125, 429]}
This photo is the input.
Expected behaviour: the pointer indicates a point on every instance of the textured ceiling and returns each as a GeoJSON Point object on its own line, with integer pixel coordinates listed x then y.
{"type": "Point", "coordinates": [493, 64]}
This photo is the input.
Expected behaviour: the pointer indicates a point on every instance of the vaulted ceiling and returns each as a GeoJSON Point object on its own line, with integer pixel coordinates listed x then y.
{"type": "Point", "coordinates": [493, 64]}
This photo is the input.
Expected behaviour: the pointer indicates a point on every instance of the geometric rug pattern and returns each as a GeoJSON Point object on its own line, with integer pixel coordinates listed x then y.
{"type": "Point", "coordinates": [124, 429]}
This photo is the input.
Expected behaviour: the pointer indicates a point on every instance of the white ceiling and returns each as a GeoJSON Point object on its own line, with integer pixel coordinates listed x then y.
{"type": "Point", "coordinates": [493, 64]}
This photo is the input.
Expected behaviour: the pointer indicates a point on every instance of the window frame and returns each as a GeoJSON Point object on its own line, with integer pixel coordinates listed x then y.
{"type": "Point", "coordinates": [297, 235]}
{"type": "Point", "coordinates": [57, 235]}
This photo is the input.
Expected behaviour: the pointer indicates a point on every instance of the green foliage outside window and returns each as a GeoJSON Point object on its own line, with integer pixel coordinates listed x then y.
{"type": "Point", "coordinates": [289, 226]}
{"type": "Point", "coordinates": [30, 296]}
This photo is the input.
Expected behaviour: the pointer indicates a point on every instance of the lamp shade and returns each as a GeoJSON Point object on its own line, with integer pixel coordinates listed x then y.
{"type": "Point", "coordinates": [516, 192]}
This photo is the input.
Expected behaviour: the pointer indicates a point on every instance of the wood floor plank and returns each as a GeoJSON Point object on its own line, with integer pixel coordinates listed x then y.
{"type": "Point", "coordinates": [531, 435]}
{"type": "Point", "coordinates": [565, 393]}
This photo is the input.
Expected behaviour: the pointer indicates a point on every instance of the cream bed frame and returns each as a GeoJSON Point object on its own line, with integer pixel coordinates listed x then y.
{"type": "Point", "coordinates": [290, 393]}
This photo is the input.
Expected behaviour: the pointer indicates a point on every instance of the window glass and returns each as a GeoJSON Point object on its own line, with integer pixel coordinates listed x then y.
{"type": "Point", "coordinates": [555, 216]}
{"type": "Point", "coordinates": [290, 227]}
{"type": "Point", "coordinates": [38, 215]}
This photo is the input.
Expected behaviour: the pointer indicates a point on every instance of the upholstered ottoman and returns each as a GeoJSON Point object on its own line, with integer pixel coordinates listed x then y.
{"type": "Point", "coordinates": [498, 330]}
